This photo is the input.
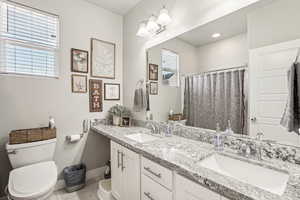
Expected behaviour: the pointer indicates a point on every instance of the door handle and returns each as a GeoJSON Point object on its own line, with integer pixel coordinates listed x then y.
{"type": "Point", "coordinates": [119, 159]}
{"type": "Point", "coordinates": [253, 119]}
{"type": "Point", "coordinates": [122, 159]}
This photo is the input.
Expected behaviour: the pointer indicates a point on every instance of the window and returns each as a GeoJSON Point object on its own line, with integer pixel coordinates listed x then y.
{"type": "Point", "coordinates": [170, 68]}
{"type": "Point", "coordinates": [29, 41]}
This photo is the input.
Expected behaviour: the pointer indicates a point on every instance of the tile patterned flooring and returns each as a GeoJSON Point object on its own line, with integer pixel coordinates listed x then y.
{"type": "Point", "coordinates": [89, 192]}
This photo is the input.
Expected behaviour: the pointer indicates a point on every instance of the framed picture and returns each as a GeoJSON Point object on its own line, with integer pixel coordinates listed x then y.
{"type": "Point", "coordinates": [96, 103]}
{"type": "Point", "coordinates": [79, 60]}
{"type": "Point", "coordinates": [111, 91]}
{"type": "Point", "coordinates": [153, 88]}
{"type": "Point", "coordinates": [153, 72]}
{"type": "Point", "coordinates": [79, 83]}
{"type": "Point", "coordinates": [102, 59]}
{"type": "Point", "coordinates": [125, 121]}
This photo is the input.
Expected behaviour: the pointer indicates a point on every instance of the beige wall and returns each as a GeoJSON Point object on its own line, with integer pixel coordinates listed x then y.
{"type": "Point", "coordinates": [186, 15]}
{"type": "Point", "coordinates": [27, 102]}
{"type": "Point", "coordinates": [230, 52]}
{"type": "Point", "coordinates": [170, 97]}
{"type": "Point", "coordinates": [275, 23]}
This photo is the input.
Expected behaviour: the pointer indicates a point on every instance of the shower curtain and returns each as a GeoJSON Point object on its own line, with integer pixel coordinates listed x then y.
{"type": "Point", "coordinates": [217, 97]}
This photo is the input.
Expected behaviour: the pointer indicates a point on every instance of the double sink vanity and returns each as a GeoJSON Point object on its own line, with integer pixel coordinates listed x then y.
{"type": "Point", "coordinates": [153, 167]}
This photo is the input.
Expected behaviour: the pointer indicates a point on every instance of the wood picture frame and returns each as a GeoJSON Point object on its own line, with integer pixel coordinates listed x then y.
{"type": "Point", "coordinates": [153, 88]}
{"type": "Point", "coordinates": [79, 83]}
{"type": "Point", "coordinates": [112, 91]}
{"type": "Point", "coordinates": [79, 59]}
{"type": "Point", "coordinates": [96, 103]}
{"type": "Point", "coordinates": [103, 52]}
{"type": "Point", "coordinates": [153, 72]}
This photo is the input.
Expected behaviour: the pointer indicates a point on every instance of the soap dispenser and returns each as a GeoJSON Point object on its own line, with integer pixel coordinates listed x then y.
{"type": "Point", "coordinates": [229, 129]}
{"type": "Point", "coordinates": [218, 138]}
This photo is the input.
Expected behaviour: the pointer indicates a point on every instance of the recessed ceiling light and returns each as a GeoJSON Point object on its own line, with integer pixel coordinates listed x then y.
{"type": "Point", "coordinates": [216, 35]}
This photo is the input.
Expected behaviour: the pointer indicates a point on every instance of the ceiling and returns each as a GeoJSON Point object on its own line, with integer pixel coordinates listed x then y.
{"type": "Point", "coordinates": [117, 6]}
{"type": "Point", "coordinates": [228, 26]}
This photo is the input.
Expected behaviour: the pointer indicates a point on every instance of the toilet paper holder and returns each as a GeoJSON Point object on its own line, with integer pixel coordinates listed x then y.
{"type": "Point", "coordinates": [85, 129]}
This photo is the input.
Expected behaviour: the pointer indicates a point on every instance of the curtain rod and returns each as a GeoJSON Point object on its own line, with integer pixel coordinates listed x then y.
{"type": "Point", "coordinates": [219, 70]}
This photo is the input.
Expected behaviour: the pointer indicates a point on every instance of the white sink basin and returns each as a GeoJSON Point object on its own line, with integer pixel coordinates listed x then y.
{"type": "Point", "coordinates": [142, 137]}
{"type": "Point", "coordinates": [264, 178]}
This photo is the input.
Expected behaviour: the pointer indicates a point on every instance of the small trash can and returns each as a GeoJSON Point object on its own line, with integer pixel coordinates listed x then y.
{"type": "Point", "coordinates": [104, 190]}
{"type": "Point", "coordinates": [74, 177]}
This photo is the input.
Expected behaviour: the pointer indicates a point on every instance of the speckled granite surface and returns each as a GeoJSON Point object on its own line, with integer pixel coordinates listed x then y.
{"type": "Point", "coordinates": [183, 155]}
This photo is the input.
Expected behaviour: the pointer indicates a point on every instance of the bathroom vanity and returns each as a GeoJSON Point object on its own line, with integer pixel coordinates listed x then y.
{"type": "Point", "coordinates": [151, 167]}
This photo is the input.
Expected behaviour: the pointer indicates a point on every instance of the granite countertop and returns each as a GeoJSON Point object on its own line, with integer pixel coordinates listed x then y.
{"type": "Point", "coordinates": [183, 156]}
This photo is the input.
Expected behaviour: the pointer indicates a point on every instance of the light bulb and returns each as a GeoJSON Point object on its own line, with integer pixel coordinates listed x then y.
{"type": "Point", "coordinates": [143, 32]}
{"type": "Point", "coordinates": [152, 26]}
{"type": "Point", "coordinates": [216, 35]}
{"type": "Point", "coordinates": [164, 18]}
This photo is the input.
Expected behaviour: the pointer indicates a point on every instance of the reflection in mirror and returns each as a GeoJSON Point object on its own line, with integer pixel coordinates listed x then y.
{"type": "Point", "coordinates": [207, 76]}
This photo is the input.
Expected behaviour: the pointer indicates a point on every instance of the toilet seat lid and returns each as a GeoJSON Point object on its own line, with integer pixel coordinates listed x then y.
{"type": "Point", "coordinates": [33, 180]}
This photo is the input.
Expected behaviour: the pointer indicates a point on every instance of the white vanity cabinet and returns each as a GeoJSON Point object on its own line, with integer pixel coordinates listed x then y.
{"type": "Point", "coordinates": [188, 190]}
{"type": "Point", "coordinates": [125, 169]}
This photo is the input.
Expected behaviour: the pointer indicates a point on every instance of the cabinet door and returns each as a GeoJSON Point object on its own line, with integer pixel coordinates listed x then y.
{"type": "Point", "coordinates": [131, 175]}
{"type": "Point", "coordinates": [188, 190]}
{"type": "Point", "coordinates": [116, 173]}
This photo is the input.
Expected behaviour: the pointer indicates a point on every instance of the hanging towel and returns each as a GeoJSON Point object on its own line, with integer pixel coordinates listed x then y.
{"type": "Point", "coordinates": [140, 100]}
{"type": "Point", "coordinates": [291, 115]}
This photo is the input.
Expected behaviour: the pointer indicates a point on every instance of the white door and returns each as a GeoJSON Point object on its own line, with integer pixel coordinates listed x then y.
{"type": "Point", "coordinates": [131, 175]}
{"type": "Point", "coordinates": [116, 173]}
{"type": "Point", "coordinates": [188, 190]}
{"type": "Point", "coordinates": [268, 90]}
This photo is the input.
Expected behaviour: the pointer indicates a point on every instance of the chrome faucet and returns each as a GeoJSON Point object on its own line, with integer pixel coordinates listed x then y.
{"type": "Point", "coordinates": [154, 129]}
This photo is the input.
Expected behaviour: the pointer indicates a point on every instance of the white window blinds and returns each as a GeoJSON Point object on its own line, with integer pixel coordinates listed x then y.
{"type": "Point", "coordinates": [29, 41]}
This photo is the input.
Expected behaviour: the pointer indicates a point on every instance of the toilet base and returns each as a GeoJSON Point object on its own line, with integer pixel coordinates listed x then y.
{"type": "Point", "coordinates": [44, 197]}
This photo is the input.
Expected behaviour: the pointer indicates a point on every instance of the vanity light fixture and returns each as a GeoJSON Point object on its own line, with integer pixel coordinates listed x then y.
{"type": "Point", "coordinates": [216, 35]}
{"type": "Point", "coordinates": [143, 31]}
{"type": "Point", "coordinates": [153, 25]}
{"type": "Point", "coordinates": [164, 18]}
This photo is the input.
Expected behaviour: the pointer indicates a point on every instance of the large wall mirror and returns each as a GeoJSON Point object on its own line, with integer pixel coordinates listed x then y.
{"type": "Point", "coordinates": [210, 75]}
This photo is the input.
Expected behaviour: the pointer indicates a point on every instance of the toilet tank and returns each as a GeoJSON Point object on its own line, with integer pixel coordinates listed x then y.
{"type": "Point", "coordinates": [30, 153]}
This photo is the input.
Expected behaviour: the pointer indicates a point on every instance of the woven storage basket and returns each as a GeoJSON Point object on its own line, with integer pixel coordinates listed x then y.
{"type": "Point", "coordinates": [18, 137]}
{"type": "Point", "coordinates": [31, 135]}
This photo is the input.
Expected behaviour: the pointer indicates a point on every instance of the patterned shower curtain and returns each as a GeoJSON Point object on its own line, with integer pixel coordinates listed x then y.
{"type": "Point", "coordinates": [216, 97]}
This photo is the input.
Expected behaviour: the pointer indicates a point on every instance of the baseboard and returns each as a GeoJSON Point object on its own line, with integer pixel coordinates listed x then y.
{"type": "Point", "coordinates": [91, 174]}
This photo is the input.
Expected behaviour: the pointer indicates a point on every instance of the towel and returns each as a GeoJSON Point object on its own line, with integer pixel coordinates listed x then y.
{"type": "Point", "coordinates": [291, 115]}
{"type": "Point", "coordinates": [140, 101]}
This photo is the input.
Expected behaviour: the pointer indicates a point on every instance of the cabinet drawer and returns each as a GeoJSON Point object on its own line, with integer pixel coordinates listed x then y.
{"type": "Point", "coordinates": [154, 191]}
{"type": "Point", "coordinates": [188, 190]}
{"type": "Point", "coordinates": [158, 173]}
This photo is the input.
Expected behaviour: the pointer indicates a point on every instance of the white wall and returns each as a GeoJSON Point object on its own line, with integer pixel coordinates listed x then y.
{"type": "Point", "coordinates": [28, 102]}
{"type": "Point", "coordinates": [275, 23]}
{"type": "Point", "coordinates": [230, 52]}
{"type": "Point", "coordinates": [186, 15]}
{"type": "Point", "coordinates": [170, 97]}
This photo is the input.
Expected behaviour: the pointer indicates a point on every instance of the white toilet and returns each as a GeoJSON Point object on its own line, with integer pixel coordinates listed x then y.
{"type": "Point", "coordinates": [35, 174]}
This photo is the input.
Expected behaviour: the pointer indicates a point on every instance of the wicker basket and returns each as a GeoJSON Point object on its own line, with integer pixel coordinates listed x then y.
{"type": "Point", "coordinates": [31, 135]}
